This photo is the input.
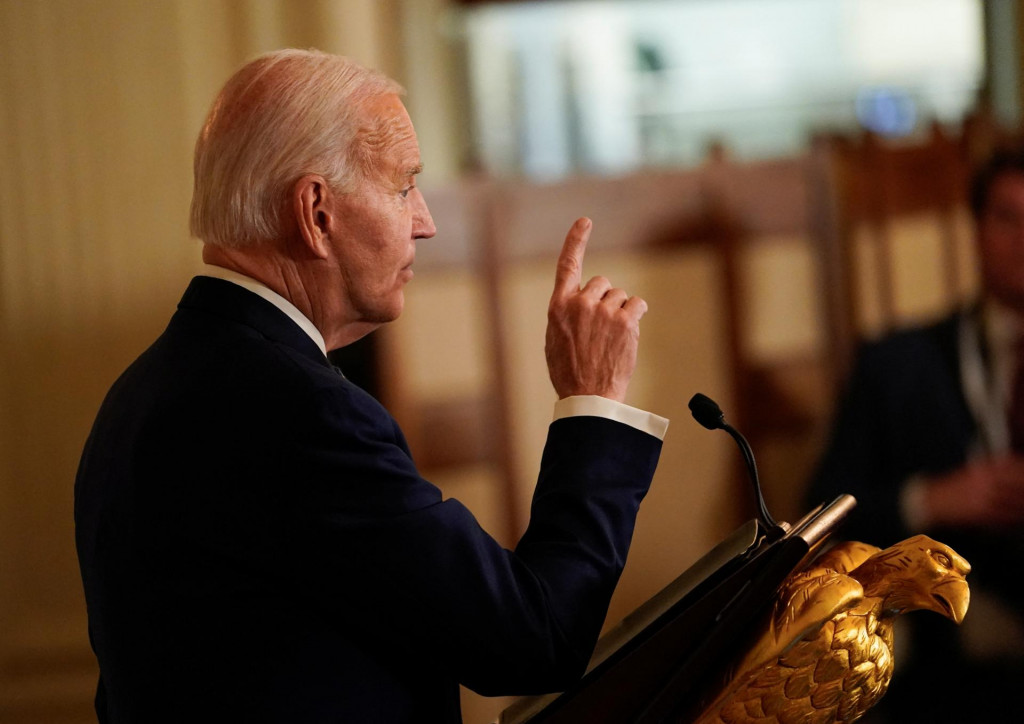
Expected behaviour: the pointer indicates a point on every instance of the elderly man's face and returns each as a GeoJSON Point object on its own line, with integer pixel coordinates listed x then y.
{"type": "Point", "coordinates": [380, 221]}
{"type": "Point", "coordinates": [1001, 240]}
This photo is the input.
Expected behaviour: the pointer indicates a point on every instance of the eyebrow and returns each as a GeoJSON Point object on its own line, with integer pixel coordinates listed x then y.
{"type": "Point", "coordinates": [402, 173]}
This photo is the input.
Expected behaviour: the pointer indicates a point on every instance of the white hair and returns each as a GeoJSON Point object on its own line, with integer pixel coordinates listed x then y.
{"type": "Point", "coordinates": [282, 116]}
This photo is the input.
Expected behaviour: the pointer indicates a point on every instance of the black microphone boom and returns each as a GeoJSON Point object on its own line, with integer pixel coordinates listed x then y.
{"type": "Point", "coordinates": [707, 412]}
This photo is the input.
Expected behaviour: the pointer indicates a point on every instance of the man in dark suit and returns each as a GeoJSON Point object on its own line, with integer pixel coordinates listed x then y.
{"type": "Point", "coordinates": [255, 541]}
{"type": "Point", "coordinates": [929, 437]}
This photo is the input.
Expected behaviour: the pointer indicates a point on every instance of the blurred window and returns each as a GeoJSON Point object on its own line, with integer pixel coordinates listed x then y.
{"type": "Point", "coordinates": [606, 86]}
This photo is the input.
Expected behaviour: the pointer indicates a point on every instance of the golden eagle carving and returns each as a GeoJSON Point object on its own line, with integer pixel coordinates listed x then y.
{"type": "Point", "coordinates": [825, 652]}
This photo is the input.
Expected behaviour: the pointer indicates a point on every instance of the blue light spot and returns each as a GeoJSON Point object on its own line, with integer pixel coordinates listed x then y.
{"type": "Point", "coordinates": [887, 111]}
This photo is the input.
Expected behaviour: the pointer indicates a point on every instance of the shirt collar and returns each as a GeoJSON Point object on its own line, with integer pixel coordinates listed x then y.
{"type": "Point", "coordinates": [261, 289]}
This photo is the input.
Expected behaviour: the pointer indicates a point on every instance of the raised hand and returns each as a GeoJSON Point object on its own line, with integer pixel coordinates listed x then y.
{"type": "Point", "coordinates": [593, 332]}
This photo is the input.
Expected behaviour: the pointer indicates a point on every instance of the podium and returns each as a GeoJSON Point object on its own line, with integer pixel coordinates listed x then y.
{"type": "Point", "coordinates": [662, 661]}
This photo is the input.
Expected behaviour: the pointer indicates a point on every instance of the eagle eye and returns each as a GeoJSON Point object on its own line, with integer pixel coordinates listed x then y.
{"type": "Point", "coordinates": [942, 559]}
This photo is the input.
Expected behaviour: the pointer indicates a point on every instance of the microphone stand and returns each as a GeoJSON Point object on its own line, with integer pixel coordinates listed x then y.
{"type": "Point", "coordinates": [707, 412]}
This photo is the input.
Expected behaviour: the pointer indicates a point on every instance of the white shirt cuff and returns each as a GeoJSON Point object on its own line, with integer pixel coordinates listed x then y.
{"type": "Point", "coordinates": [595, 406]}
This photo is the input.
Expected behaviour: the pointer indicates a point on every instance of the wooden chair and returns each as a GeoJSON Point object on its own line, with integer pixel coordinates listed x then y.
{"type": "Point", "coordinates": [872, 186]}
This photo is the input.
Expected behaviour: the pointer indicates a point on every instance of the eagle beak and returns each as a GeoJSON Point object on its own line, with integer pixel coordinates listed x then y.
{"type": "Point", "coordinates": [952, 599]}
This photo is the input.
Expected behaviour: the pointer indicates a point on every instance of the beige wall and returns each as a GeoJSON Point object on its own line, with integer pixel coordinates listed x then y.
{"type": "Point", "coordinates": [100, 101]}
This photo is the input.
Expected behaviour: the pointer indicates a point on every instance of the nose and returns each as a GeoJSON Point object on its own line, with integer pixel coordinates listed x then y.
{"type": "Point", "coordinates": [423, 223]}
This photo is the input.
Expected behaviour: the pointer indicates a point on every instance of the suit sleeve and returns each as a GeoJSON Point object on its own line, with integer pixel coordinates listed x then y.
{"type": "Point", "coordinates": [504, 622]}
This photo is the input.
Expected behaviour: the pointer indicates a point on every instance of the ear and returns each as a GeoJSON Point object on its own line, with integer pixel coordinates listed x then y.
{"type": "Point", "coordinates": [310, 197]}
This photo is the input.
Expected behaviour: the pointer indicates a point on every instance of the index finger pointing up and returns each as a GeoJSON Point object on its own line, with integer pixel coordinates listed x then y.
{"type": "Point", "coordinates": [569, 271]}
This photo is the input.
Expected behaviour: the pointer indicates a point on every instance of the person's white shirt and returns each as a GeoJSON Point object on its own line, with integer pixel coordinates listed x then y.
{"type": "Point", "coordinates": [987, 340]}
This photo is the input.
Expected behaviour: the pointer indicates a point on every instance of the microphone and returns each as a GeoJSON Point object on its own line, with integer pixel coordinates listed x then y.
{"type": "Point", "coordinates": [707, 412]}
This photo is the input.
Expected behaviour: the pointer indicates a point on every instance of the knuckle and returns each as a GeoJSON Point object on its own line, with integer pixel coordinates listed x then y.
{"type": "Point", "coordinates": [568, 265]}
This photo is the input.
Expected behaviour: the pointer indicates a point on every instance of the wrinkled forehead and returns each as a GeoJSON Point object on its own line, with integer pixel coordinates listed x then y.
{"type": "Point", "coordinates": [388, 138]}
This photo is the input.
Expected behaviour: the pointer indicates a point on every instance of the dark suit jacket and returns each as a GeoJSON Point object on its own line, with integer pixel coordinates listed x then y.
{"type": "Point", "coordinates": [904, 413]}
{"type": "Point", "coordinates": [256, 544]}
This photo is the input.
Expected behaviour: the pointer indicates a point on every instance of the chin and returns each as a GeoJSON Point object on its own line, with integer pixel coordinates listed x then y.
{"type": "Point", "coordinates": [384, 313]}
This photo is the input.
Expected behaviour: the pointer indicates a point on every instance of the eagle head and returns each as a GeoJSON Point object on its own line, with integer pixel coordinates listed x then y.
{"type": "Point", "coordinates": [917, 573]}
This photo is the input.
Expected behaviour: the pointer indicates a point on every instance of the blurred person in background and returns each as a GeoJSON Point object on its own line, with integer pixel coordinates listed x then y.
{"type": "Point", "coordinates": [929, 437]}
{"type": "Point", "coordinates": [254, 539]}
